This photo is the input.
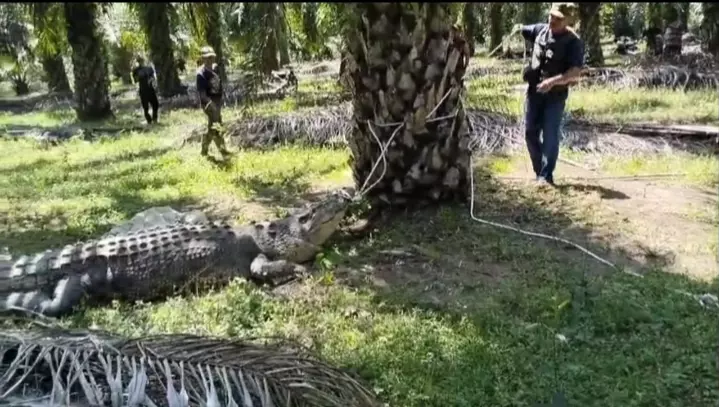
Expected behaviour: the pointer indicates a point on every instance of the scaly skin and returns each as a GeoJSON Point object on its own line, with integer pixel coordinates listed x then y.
{"type": "Point", "coordinates": [152, 263]}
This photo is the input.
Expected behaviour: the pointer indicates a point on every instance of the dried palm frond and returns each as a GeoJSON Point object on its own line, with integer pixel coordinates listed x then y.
{"type": "Point", "coordinates": [97, 368]}
{"type": "Point", "coordinates": [491, 132]}
{"type": "Point", "coordinates": [667, 76]}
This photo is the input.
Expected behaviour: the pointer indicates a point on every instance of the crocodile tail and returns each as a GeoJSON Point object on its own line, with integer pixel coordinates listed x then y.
{"type": "Point", "coordinates": [67, 294]}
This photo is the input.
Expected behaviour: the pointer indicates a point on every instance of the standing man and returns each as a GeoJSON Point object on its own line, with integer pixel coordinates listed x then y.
{"type": "Point", "coordinates": [556, 61]}
{"type": "Point", "coordinates": [209, 87]}
{"type": "Point", "coordinates": [146, 78]}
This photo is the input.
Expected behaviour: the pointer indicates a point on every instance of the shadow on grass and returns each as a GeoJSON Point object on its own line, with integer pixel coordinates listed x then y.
{"type": "Point", "coordinates": [518, 319]}
{"type": "Point", "coordinates": [44, 164]}
{"type": "Point", "coordinates": [291, 189]}
{"type": "Point", "coordinates": [98, 195]}
{"type": "Point", "coordinates": [604, 193]}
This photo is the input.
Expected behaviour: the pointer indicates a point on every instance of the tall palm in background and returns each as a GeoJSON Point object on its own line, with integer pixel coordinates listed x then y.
{"type": "Point", "coordinates": [496, 29]}
{"type": "Point", "coordinates": [89, 61]}
{"type": "Point", "coordinates": [49, 22]}
{"type": "Point", "coordinates": [710, 27]}
{"type": "Point", "coordinates": [156, 21]}
{"type": "Point", "coordinates": [407, 86]}
{"type": "Point", "coordinates": [208, 24]}
{"type": "Point", "coordinates": [589, 20]}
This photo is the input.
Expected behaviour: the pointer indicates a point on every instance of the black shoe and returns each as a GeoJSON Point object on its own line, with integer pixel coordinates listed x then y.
{"type": "Point", "coordinates": [542, 181]}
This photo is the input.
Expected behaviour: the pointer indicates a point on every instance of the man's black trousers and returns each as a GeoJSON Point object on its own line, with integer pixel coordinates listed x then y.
{"type": "Point", "coordinates": [149, 98]}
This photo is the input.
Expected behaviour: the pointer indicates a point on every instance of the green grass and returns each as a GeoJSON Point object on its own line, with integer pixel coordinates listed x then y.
{"type": "Point", "coordinates": [505, 92]}
{"type": "Point", "coordinates": [432, 332]}
{"type": "Point", "coordinates": [474, 316]}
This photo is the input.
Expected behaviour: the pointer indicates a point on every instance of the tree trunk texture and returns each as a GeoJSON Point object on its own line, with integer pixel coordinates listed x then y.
{"type": "Point", "coordinates": [407, 80]}
{"type": "Point", "coordinates": [156, 24]}
{"type": "Point", "coordinates": [471, 25]}
{"type": "Point", "coordinates": [655, 26]}
{"type": "Point", "coordinates": [654, 16]}
{"type": "Point", "coordinates": [589, 32]}
{"type": "Point", "coordinates": [710, 27]}
{"type": "Point", "coordinates": [269, 56]}
{"type": "Point", "coordinates": [531, 14]}
{"type": "Point", "coordinates": [56, 76]}
{"type": "Point", "coordinates": [89, 60]}
{"type": "Point", "coordinates": [496, 29]}
{"type": "Point", "coordinates": [52, 62]}
{"type": "Point", "coordinates": [620, 20]}
{"type": "Point", "coordinates": [214, 35]}
{"type": "Point", "coordinates": [684, 10]}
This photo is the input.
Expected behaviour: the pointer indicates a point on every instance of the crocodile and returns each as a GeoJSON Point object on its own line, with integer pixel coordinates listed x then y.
{"type": "Point", "coordinates": [150, 264]}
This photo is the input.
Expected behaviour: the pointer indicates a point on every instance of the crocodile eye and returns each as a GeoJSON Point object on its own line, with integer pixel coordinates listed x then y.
{"type": "Point", "coordinates": [304, 217]}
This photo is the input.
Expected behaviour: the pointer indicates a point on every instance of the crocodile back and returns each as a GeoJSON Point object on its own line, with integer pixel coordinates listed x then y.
{"type": "Point", "coordinates": [138, 265]}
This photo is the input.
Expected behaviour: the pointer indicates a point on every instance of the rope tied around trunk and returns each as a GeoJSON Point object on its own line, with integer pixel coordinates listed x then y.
{"type": "Point", "coordinates": [364, 189]}
{"type": "Point", "coordinates": [708, 301]}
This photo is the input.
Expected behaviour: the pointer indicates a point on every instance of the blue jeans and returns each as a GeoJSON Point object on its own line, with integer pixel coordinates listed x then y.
{"type": "Point", "coordinates": [543, 116]}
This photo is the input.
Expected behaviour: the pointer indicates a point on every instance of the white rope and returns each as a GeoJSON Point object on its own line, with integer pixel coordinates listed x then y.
{"type": "Point", "coordinates": [382, 157]}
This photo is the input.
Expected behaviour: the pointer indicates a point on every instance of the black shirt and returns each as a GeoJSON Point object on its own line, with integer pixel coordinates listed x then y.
{"type": "Point", "coordinates": [145, 77]}
{"type": "Point", "coordinates": [208, 81]}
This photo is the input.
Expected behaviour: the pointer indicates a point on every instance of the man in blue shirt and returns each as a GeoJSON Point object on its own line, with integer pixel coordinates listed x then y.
{"type": "Point", "coordinates": [209, 87]}
{"type": "Point", "coordinates": [556, 62]}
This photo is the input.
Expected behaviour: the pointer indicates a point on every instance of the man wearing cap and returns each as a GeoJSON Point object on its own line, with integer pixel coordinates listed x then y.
{"type": "Point", "coordinates": [209, 87]}
{"type": "Point", "coordinates": [556, 62]}
{"type": "Point", "coordinates": [146, 78]}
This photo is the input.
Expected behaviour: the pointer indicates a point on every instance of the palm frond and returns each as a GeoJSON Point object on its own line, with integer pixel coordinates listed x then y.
{"type": "Point", "coordinates": [99, 368]}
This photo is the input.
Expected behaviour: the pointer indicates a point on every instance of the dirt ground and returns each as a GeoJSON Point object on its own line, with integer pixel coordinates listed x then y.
{"type": "Point", "coordinates": [647, 224]}
{"type": "Point", "coordinates": [646, 219]}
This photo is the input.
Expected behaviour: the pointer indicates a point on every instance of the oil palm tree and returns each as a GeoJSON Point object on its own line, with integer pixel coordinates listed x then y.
{"type": "Point", "coordinates": [406, 80]}
{"type": "Point", "coordinates": [710, 27]}
{"type": "Point", "coordinates": [589, 20]}
{"type": "Point", "coordinates": [89, 60]}
{"type": "Point", "coordinates": [49, 23]}
{"type": "Point", "coordinates": [209, 24]}
{"type": "Point", "coordinates": [156, 21]}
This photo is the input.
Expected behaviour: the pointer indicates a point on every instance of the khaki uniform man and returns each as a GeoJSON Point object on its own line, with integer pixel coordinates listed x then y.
{"type": "Point", "coordinates": [209, 87]}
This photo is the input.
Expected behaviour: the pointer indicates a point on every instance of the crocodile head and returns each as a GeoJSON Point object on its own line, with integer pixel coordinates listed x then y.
{"type": "Point", "coordinates": [297, 237]}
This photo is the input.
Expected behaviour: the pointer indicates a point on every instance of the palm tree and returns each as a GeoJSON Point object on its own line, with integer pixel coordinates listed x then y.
{"type": "Point", "coordinates": [48, 20]}
{"type": "Point", "coordinates": [589, 19]}
{"type": "Point", "coordinates": [496, 29]}
{"type": "Point", "coordinates": [470, 21]}
{"type": "Point", "coordinates": [155, 19]}
{"type": "Point", "coordinates": [407, 85]}
{"type": "Point", "coordinates": [531, 14]}
{"type": "Point", "coordinates": [89, 60]}
{"type": "Point", "coordinates": [710, 27]}
{"type": "Point", "coordinates": [264, 35]}
{"type": "Point", "coordinates": [211, 23]}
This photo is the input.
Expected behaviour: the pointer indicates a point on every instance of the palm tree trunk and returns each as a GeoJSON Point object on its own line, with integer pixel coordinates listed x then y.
{"type": "Point", "coordinates": [89, 60]}
{"type": "Point", "coordinates": [155, 20]}
{"type": "Point", "coordinates": [471, 24]}
{"type": "Point", "coordinates": [407, 79]}
{"type": "Point", "coordinates": [213, 27]}
{"type": "Point", "coordinates": [531, 14]}
{"type": "Point", "coordinates": [710, 27]}
{"type": "Point", "coordinates": [51, 56]}
{"type": "Point", "coordinates": [496, 29]}
{"type": "Point", "coordinates": [589, 19]}
{"type": "Point", "coordinates": [56, 76]}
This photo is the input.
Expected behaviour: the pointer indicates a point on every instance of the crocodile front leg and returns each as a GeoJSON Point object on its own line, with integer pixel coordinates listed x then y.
{"type": "Point", "coordinates": [67, 294]}
{"type": "Point", "coordinates": [275, 271]}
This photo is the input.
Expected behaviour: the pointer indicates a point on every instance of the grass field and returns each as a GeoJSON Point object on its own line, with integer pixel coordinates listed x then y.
{"type": "Point", "coordinates": [432, 309]}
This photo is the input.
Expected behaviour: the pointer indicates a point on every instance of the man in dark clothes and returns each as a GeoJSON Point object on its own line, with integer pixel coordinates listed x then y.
{"type": "Point", "coordinates": [209, 87]}
{"type": "Point", "coordinates": [556, 62]}
{"type": "Point", "coordinates": [146, 78]}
